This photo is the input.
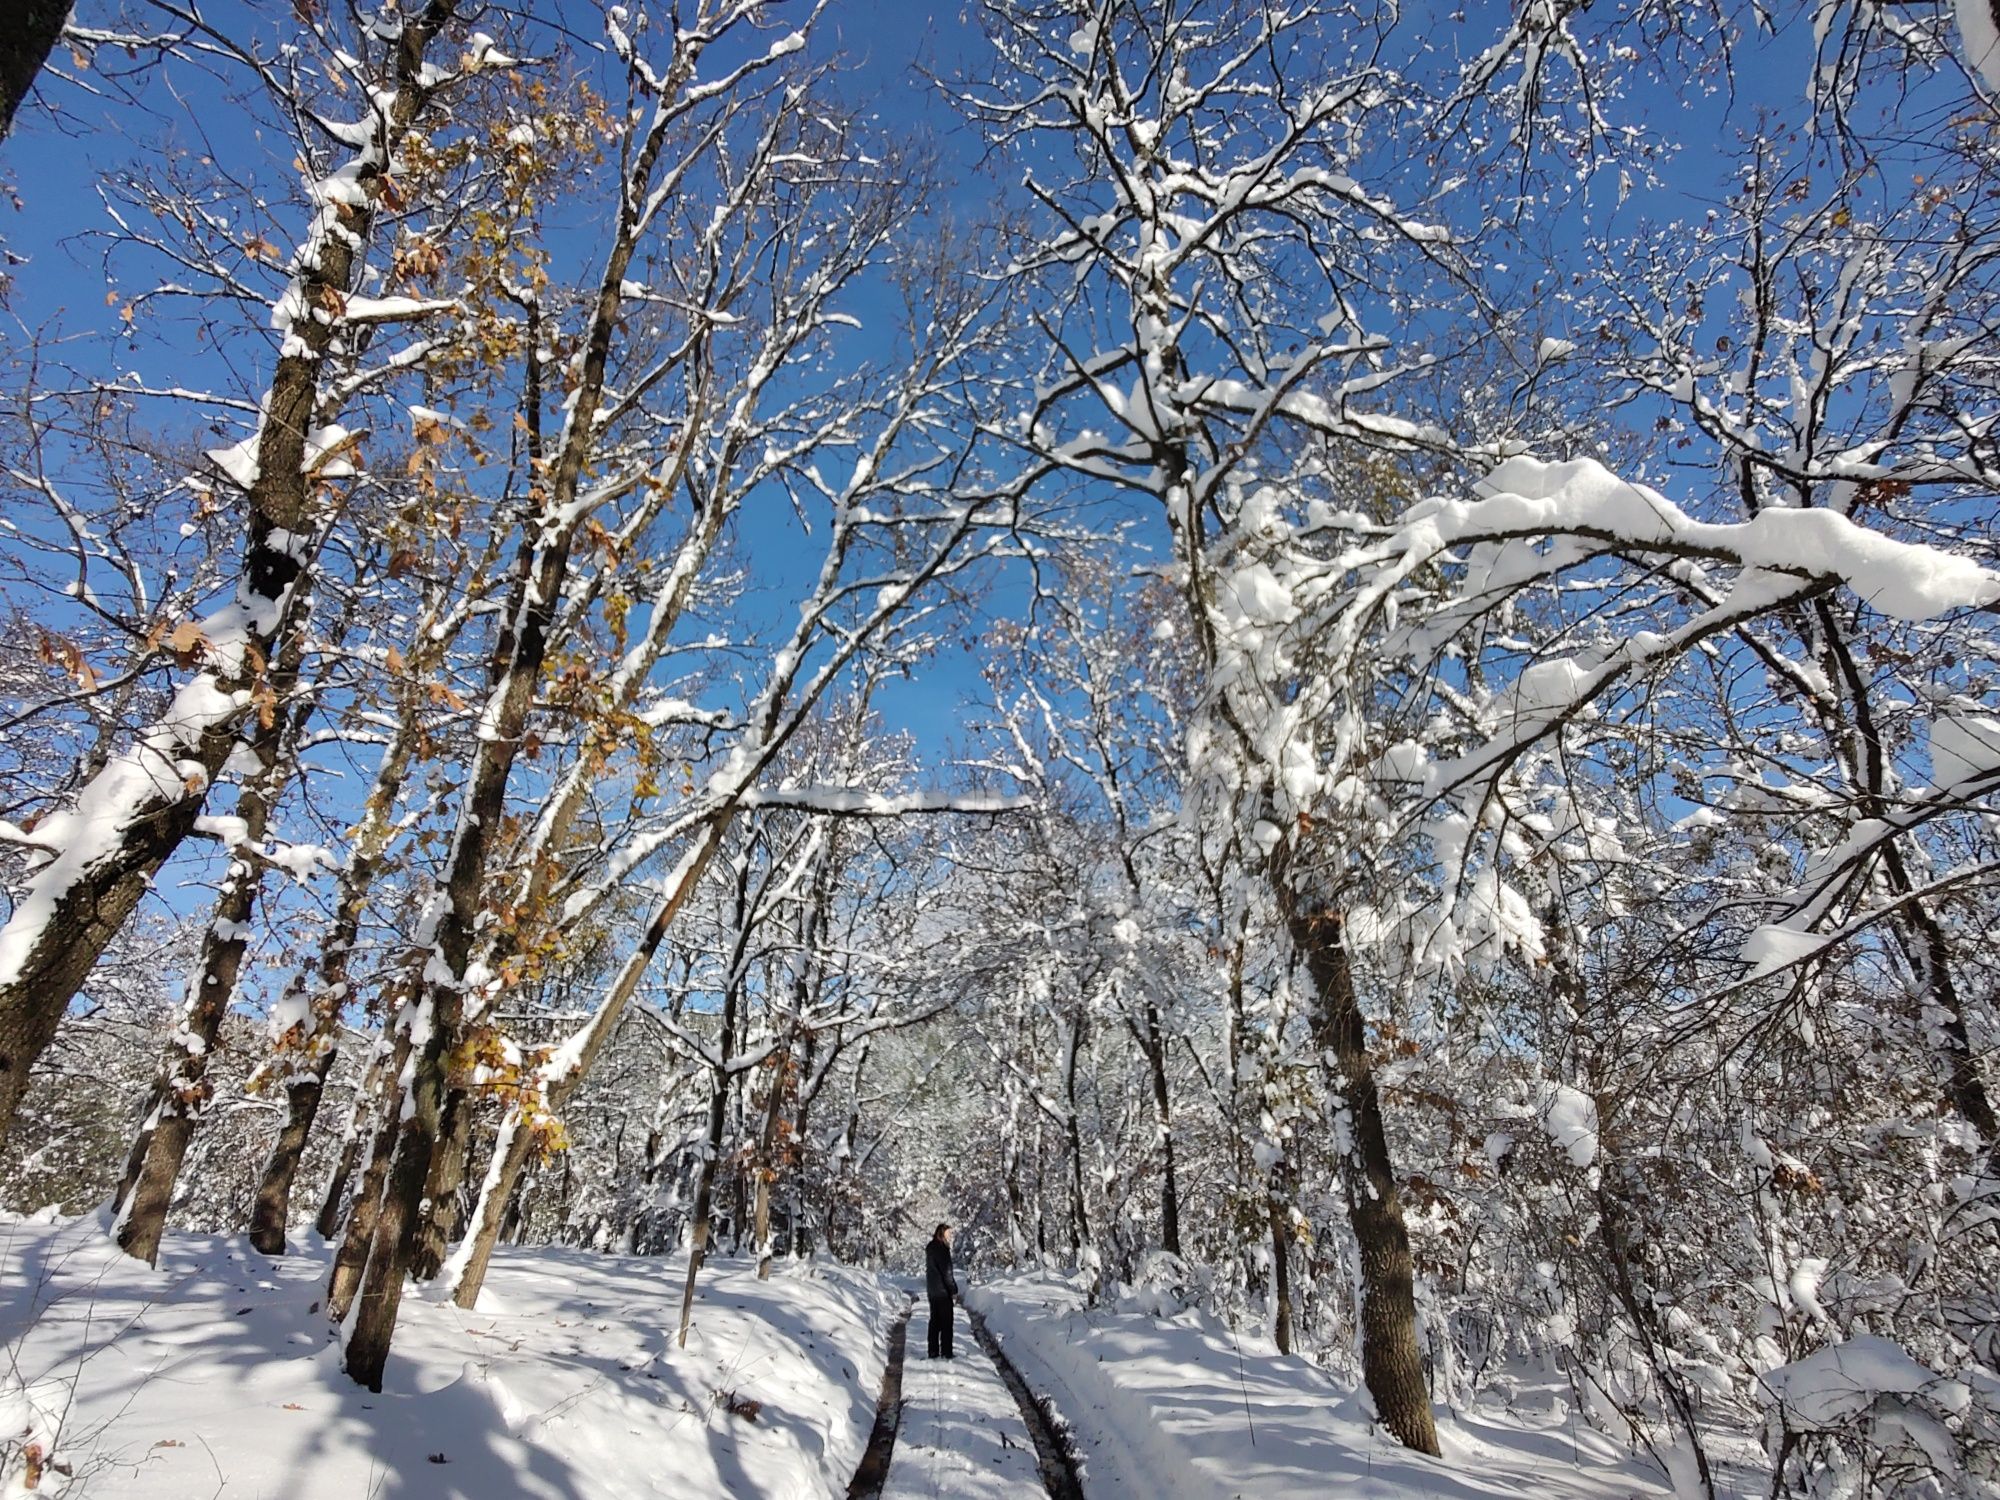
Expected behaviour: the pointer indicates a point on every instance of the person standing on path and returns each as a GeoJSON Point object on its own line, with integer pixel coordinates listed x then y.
{"type": "Point", "coordinates": [941, 1286]}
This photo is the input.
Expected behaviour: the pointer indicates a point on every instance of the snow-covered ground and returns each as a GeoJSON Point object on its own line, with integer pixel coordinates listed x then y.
{"type": "Point", "coordinates": [216, 1376]}
{"type": "Point", "coordinates": [1175, 1409]}
{"type": "Point", "coordinates": [962, 1437]}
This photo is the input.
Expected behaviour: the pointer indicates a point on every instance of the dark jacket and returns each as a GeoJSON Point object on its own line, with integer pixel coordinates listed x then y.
{"type": "Point", "coordinates": [939, 1283]}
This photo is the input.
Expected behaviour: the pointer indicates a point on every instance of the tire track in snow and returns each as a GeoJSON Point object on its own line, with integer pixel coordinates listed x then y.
{"type": "Point", "coordinates": [1056, 1456]}
{"type": "Point", "coordinates": [873, 1471]}
{"type": "Point", "coordinates": [1109, 1461]}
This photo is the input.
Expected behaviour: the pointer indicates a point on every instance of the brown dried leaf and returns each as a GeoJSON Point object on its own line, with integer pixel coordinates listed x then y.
{"type": "Point", "coordinates": [266, 699]}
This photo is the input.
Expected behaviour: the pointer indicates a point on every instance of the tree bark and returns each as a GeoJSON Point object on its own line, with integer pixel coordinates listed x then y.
{"type": "Point", "coordinates": [800, 1226]}
{"type": "Point", "coordinates": [408, 1152]}
{"type": "Point", "coordinates": [25, 44]}
{"type": "Point", "coordinates": [367, 1096]}
{"type": "Point", "coordinates": [511, 1149]}
{"type": "Point", "coordinates": [1390, 1361]}
{"type": "Point", "coordinates": [1010, 1171]}
{"type": "Point", "coordinates": [351, 1260]}
{"type": "Point", "coordinates": [270, 1211]}
{"type": "Point", "coordinates": [718, 1113]}
{"type": "Point", "coordinates": [450, 1164]}
{"type": "Point", "coordinates": [1163, 1120]}
{"type": "Point", "coordinates": [766, 1164]}
{"type": "Point", "coordinates": [704, 1192]}
{"type": "Point", "coordinates": [1281, 1273]}
{"type": "Point", "coordinates": [1080, 1236]}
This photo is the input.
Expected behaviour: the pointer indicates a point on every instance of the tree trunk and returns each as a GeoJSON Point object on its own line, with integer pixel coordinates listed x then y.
{"type": "Point", "coordinates": [718, 1111]}
{"type": "Point", "coordinates": [450, 1165]}
{"type": "Point", "coordinates": [1390, 1360]}
{"type": "Point", "coordinates": [25, 44]}
{"type": "Point", "coordinates": [497, 1191]}
{"type": "Point", "coordinates": [511, 1149]}
{"type": "Point", "coordinates": [396, 1212]}
{"type": "Point", "coordinates": [438, 1005]}
{"type": "Point", "coordinates": [515, 1224]}
{"type": "Point", "coordinates": [308, 1060]}
{"type": "Point", "coordinates": [767, 1165]}
{"type": "Point", "coordinates": [1641, 1308]}
{"type": "Point", "coordinates": [1080, 1236]}
{"type": "Point", "coordinates": [72, 941]}
{"type": "Point", "coordinates": [1041, 1199]}
{"type": "Point", "coordinates": [1010, 1172]}
{"type": "Point", "coordinates": [326, 1223]}
{"type": "Point", "coordinates": [520, 647]}
{"type": "Point", "coordinates": [1860, 746]}
{"type": "Point", "coordinates": [271, 1210]}
{"type": "Point", "coordinates": [303, 1057]}
{"type": "Point", "coordinates": [182, 1087]}
{"type": "Point", "coordinates": [800, 1210]}
{"type": "Point", "coordinates": [350, 1262]}
{"type": "Point", "coordinates": [1281, 1272]}
{"type": "Point", "coordinates": [704, 1192]}
{"type": "Point", "coordinates": [367, 1096]}
{"type": "Point", "coordinates": [1163, 1120]}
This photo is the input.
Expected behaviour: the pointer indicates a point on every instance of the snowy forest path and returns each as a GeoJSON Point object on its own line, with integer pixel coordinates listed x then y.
{"type": "Point", "coordinates": [961, 1434]}
{"type": "Point", "coordinates": [960, 1429]}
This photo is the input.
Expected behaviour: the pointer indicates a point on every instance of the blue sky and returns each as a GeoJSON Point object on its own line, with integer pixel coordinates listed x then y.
{"type": "Point", "coordinates": [61, 285]}
{"type": "Point", "coordinates": [55, 166]}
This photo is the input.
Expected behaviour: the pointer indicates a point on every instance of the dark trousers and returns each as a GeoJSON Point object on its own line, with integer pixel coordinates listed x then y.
{"type": "Point", "coordinates": [938, 1335]}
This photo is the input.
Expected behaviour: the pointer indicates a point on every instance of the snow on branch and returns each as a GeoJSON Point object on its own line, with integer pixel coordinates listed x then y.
{"type": "Point", "coordinates": [859, 802]}
{"type": "Point", "coordinates": [1526, 497]}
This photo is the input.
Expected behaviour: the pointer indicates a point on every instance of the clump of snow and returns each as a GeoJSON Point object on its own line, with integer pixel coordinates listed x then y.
{"type": "Point", "coordinates": [289, 1011]}
{"type": "Point", "coordinates": [325, 453]}
{"type": "Point", "coordinates": [1980, 30]}
{"type": "Point", "coordinates": [300, 861]}
{"type": "Point", "coordinates": [1831, 1385]}
{"type": "Point", "coordinates": [238, 462]}
{"type": "Point", "coordinates": [1773, 947]}
{"type": "Point", "coordinates": [1569, 1117]}
{"type": "Point", "coordinates": [1964, 748]}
